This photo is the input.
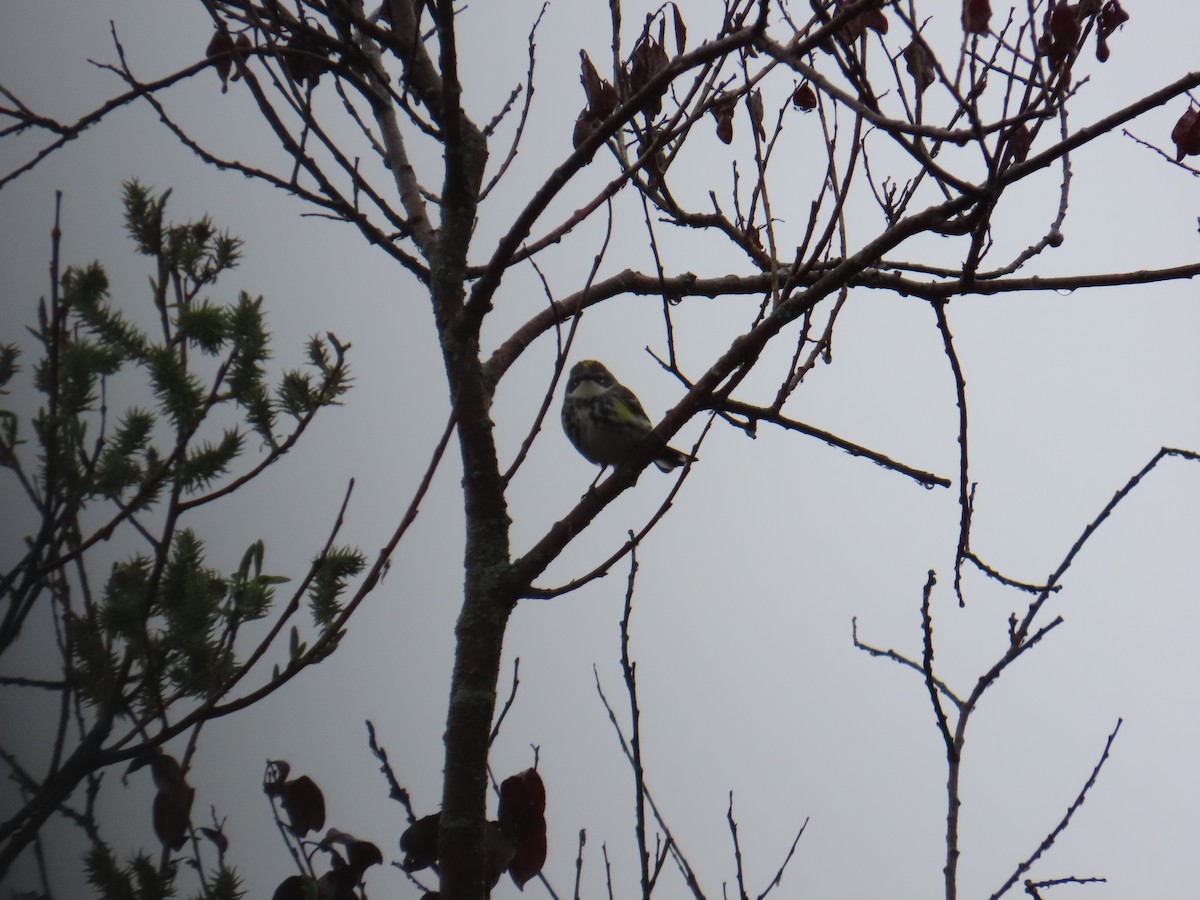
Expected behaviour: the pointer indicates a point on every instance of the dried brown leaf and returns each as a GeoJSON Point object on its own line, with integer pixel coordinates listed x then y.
{"type": "Point", "coordinates": [976, 14]}
{"type": "Point", "coordinates": [522, 818]}
{"type": "Point", "coordinates": [220, 51]}
{"type": "Point", "coordinates": [303, 802]}
{"type": "Point", "coordinates": [680, 29]}
{"type": "Point", "coordinates": [1186, 134]}
{"type": "Point", "coordinates": [1061, 31]}
{"type": "Point", "coordinates": [919, 63]}
{"type": "Point", "coordinates": [242, 47]}
{"type": "Point", "coordinates": [722, 111]}
{"type": "Point", "coordinates": [804, 97]}
{"type": "Point", "coordinates": [419, 843]}
{"type": "Point", "coordinates": [1019, 139]}
{"type": "Point", "coordinates": [295, 887]}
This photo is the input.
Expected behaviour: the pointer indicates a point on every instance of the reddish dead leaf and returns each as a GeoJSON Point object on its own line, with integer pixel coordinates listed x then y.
{"type": "Point", "coordinates": [242, 46]}
{"type": "Point", "coordinates": [337, 884]}
{"type": "Point", "coordinates": [220, 43]}
{"type": "Point", "coordinates": [361, 855]}
{"type": "Point", "coordinates": [306, 56]}
{"type": "Point", "coordinates": [529, 857]}
{"type": "Point", "coordinates": [220, 51]}
{"type": "Point", "coordinates": [589, 78]}
{"type": "Point", "coordinates": [804, 97]}
{"type": "Point", "coordinates": [856, 26]}
{"type": "Point", "coordinates": [680, 30]}
{"type": "Point", "coordinates": [303, 802]}
{"type": "Point", "coordinates": [336, 836]}
{"type": "Point", "coordinates": [166, 771]}
{"type": "Point", "coordinates": [1064, 25]}
{"type": "Point", "coordinates": [647, 60]}
{"type": "Point", "coordinates": [722, 111]}
{"type": "Point", "coordinates": [602, 100]}
{"type": "Point", "coordinates": [173, 814]}
{"type": "Point", "coordinates": [1019, 139]}
{"type": "Point", "coordinates": [522, 818]}
{"type": "Point", "coordinates": [522, 798]}
{"type": "Point", "coordinates": [852, 30]}
{"type": "Point", "coordinates": [875, 20]}
{"type": "Point", "coordinates": [172, 808]}
{"type": "Point", "coordinates": [1186, 134]}
{"type": "Point", "coordinates": [1060, 33]}
{"type": "Point", "coordinates": [608, 102]}
{"type": "Point", "coordinates": [919, 63]}
{"type": "Point", "coordinates": [1110, 19]}
{"type": "Point", "coordinates": [295, 887]}
{"type": "Point", "coordinates": [419, 843]}
{"type": "Point", "coordinates": [976, 14]}
{"type": "Point", "coordinates": [585, 124]}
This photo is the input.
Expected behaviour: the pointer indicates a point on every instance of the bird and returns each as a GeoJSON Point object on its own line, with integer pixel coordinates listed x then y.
{"type": "Point", "coordinates": [605, 421]}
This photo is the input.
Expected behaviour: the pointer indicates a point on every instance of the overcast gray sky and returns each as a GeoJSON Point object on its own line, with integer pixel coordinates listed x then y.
{"type": "Point", "coordinates": [745, 594]}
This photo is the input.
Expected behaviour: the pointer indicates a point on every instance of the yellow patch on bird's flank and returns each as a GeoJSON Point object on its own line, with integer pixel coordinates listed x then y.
{"type": "Point", "coordinates": [625, 414]}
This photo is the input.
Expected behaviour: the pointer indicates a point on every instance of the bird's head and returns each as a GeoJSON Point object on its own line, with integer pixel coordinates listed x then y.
{"type": "Point", "coordinates": [589, 373]}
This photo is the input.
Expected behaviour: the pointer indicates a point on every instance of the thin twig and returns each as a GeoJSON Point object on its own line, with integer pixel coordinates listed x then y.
{"type": "Point", "coordinates": [1058, 829]}
{"type": "Point", "coordinates": [512, 695]}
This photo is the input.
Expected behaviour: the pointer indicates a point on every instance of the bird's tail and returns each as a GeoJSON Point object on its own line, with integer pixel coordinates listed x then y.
{"type": "Point", "coordinates": [670, 458]}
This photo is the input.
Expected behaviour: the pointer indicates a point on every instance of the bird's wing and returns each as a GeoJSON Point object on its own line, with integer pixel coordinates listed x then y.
{"type": "Point", "coordinates": [628, 408]}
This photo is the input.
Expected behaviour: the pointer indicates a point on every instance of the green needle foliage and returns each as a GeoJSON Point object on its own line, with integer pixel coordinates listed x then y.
{"type": "Point", "coordinates": [156, 647]}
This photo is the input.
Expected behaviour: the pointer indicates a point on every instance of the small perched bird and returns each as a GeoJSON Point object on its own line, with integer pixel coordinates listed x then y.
{"type": "Point", "coordinates": [605, 421]}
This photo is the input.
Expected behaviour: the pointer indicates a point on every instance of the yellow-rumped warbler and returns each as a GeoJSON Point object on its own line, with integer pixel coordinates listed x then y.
{"type": "Point", "coordinates": [605, 421]}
